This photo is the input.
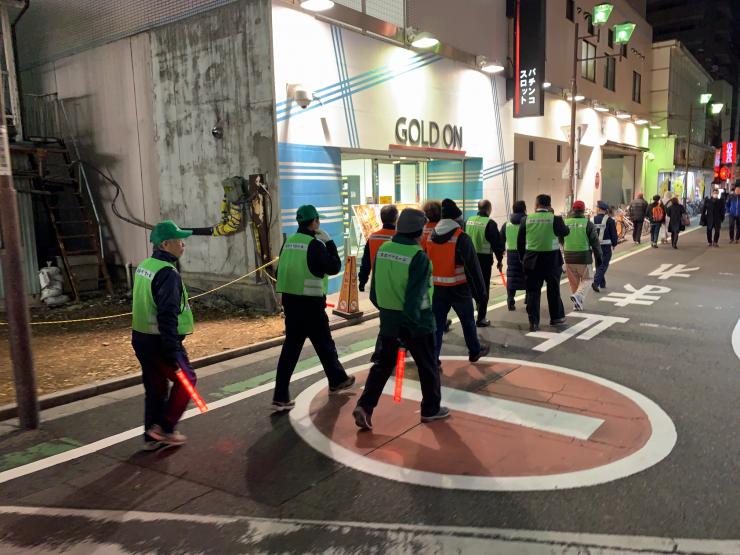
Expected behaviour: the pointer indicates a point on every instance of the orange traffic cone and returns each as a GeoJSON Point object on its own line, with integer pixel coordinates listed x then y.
{"type": "Point", "coordinates": [349, 305]}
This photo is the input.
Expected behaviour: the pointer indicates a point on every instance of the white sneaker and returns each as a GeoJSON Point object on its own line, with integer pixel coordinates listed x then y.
{"type": "Point", "coordinates": [577, 302]}
{"type": "Point", "coordinates": [174, 438]}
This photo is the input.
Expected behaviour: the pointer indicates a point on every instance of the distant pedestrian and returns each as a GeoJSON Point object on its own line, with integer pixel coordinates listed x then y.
{"type": "Point", "coordinates": [656, 217]}
{"type": "Point", "coordinates": [539, 249]}
{"type": "Point", "coordinates": [606, 228]}
{"type": "Point", "coordinates": [666, 199]}
{"type": "Point", "coordinates": [388, 217]}
{"type": "Point", "coordinates": [636, 211]}
{"type": "Point", "coordinates": [675, 211]}
{"type": "Point", "coordinates": [580, 247]}
{"type": "Point", "coordinates": [401, 289]}
{"type": "Point", "coordinates": [307, 259]}
{"type": "Point", "coordinates": [514, 271]}
{"type": "Point", "coordinates": [733, 211]}
{"type": "Point", "coordinates": [161, 319]}
{"type": "Point", "coordinates": [457, 278]}
{"type": "Point", "coordinates": [487, 242]}
{"type": "Point", "coordinates": [712, 215]}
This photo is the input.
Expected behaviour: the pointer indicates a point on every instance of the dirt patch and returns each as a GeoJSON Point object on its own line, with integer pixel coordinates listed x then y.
{"type": "Point", "coordinates": [69, 355]}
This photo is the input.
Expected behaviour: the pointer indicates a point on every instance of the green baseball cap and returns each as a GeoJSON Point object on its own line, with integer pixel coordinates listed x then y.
{"type": "Point", "coordinates": [306, 213]}
{"type": "Point", "coordinates": [167, 230]}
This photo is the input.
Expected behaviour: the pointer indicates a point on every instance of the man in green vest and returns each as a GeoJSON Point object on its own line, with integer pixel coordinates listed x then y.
{"type": "Point", "coordinates": [307, 259]}
{"type": "Point", "coordinates": [539, 249]}
{"type": "Point", "coordinates": [578, 246]}
{"type": "Point", "coordinates": [161, 318]}
{"type": "Point", "coordinates": [487, 241]}
{"type": "Point", "coordinates": [401, 289]}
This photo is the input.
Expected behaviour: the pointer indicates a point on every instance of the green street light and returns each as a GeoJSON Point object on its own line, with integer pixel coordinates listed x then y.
{"type": "Point", "coordinates": [623, 32]}
{"type": "Point", "coordinates": [716, 108]}
{"type": "Point", "coordinates": [705, 98]}
{"type": "Point", "coordinates": [602, 13]}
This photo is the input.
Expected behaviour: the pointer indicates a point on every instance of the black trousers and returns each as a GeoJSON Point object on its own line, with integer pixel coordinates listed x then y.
{"type": "Point", "coordinates": [674, 238]}
{"type": "Point", "coordinates": [637, 231]}
{"type": "Point", "coordinates": [734, 225]}
{"type": "Point", "coordinates": [713, 233]}
{"type": "Point", "coordinates": [302, 323]}
{"type": "Point", "coordinates": [422, 349]}
{"type": "Point", "coordinates": [486, 266]}
{"type": "Point", "coordinates": [535, 279]}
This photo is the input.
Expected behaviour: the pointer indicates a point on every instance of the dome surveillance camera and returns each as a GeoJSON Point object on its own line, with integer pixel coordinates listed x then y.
{"type": "Point", "coordinates": [303, 97]}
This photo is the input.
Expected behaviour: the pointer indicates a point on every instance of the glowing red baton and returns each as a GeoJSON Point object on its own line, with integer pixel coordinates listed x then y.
{"type": "Point", "coordinates": [400, 367]}
{"type": "Point", "coordinates": [329, 305]}
{"type": "Point", "coordinates": [194, 395]}
{"type": "Point", "coordinates": [503, 278]}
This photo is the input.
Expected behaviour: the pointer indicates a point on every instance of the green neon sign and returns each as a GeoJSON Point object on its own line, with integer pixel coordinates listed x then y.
{"type": "Point", "coordinates": [623, 32]}
{"type": "Point", "coordinates": [602, 13]}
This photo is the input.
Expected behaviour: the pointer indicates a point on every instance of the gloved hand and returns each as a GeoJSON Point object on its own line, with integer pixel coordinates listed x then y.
{"type": "Point", "coordinates": [362, 287]}
{"type": "Point", "coordinates": [322, 236]}
{"type": "Point", "coordinates": [500, 265]}
{"type": "Point", "coordinates": [184, 364]}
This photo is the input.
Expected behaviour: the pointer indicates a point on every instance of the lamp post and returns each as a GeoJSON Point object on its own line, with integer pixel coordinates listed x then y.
{"type": "Point", "coordinates": [622, 34]}
{"type": "Point", "coordinates": [703, 100]}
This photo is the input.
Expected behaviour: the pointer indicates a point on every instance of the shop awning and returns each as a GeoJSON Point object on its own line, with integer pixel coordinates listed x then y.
{"type": "Point", "coordinates": [621, 148]}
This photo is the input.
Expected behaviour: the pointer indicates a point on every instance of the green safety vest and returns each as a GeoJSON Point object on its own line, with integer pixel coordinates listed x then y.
{"type": "Point", "coordinates": [577, 239]}
{"type": "Point", "coordinates": [392, 264]}
{"type": "Point", "coordinates": [540, 236]}
{"type": "Point", "coordinates": [294, 277]}
{"type": "Point", "coordinates": [476, 228]}
{"type": "Point", "coordinates": [144, 317]}
{"type": "Point", "coordinates": [512, 234]}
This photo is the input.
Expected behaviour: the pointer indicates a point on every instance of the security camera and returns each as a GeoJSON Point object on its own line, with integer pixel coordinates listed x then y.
{"type": "Point", "coordinates": [300, 95]}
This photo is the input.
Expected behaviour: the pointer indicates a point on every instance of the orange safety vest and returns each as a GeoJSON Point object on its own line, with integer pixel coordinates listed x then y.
{"type": "Point", "coordinates": [426, 233]}
{"type": "Point", "coordinates": [445, 271]}
{"type": "Point", "coordinates": [377, 239]}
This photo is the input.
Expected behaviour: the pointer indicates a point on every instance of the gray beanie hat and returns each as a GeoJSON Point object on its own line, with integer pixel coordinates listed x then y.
{"type": "Point", "coordinates": [411, 220]}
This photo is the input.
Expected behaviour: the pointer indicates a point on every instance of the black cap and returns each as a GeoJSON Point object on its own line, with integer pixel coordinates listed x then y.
{"type": "Point", "coordinates": [450, 211]}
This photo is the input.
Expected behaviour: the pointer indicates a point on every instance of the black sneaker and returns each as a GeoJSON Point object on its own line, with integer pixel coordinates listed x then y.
{"type": "Point", "coordinates": [595, 287]}
{"type": "Point", "coordinates": [448, 324]}
{"type": "Point", "coordinates": [280, 406]}
{"type": "Point", "coordinates": [345, 385]}
{"type": "Point", "coordinates": [557, 321]}
{"type": "Point", "coordinates": [363, 419]}
{"type": "Point", "coordinates": [442, 413]}
{"type": "Point", "coordinates": [483, 352]}
{"type": "Point", "coordinates": [511, 305]}
{"type": "Point", "coordinates": [534, 327]}
{"type": "Point", "coordinates": [483, 323]}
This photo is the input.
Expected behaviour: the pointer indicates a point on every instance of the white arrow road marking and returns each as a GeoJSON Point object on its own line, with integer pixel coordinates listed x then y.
{"type": "Point", "coordinates": [512, 412]}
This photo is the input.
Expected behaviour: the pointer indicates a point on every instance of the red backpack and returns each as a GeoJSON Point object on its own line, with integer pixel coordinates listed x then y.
{"type": "Point", "coordinates": [658, 213]}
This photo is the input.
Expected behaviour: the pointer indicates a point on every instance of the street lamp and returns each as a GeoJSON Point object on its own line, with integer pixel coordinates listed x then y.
{"type": "Point", "coordinates": [622, 34]}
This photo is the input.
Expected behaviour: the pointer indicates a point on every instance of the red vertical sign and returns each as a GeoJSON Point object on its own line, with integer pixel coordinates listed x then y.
{"type": "Point", "coordinates": [729, 152]}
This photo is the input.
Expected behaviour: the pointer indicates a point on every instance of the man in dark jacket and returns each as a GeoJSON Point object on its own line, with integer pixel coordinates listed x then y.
{"type": "Point", "coordinates": [388, 216]}
{"type": "Point", "coordinates": [307, 258]}
{"type": "Point", "coordinates": [483, 231]}
{"type": "Point", "coordinates": [514, 271]}
{"type": "Point", "coordinates": [712, 215]}
{"type": "Point", "coordinates": [161, 318]}
{"type": "Point", "coordinates": [400, 289]}
{"type": "Point", "coordinates": [457, 278]}
{"type": "Point", "coordinates": [636, 211]}
{"type": "Point", "coordinates": [578, 246]}
{"type": "Point", "coordinates": [539, 250]}
{"type": "Point", "coordinates": [609, 239]}
{"type": "Point", "coordinates": [733, 211]}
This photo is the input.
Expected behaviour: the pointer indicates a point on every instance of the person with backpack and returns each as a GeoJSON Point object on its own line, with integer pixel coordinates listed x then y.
{"type": "Point", "coordinates": [656, 217]}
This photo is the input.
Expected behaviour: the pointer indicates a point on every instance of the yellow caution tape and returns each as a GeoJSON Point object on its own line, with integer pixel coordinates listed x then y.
{"type": "Point", "coordinates": [98, 318]}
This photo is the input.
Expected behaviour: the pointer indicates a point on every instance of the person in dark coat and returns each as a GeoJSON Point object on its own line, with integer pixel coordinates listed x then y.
{"type": "Point", "coordinates": [712, 215]}
{"type": "Point", "coordinates": [514, 271]}
{"type": "Point", "coordinates": [675, 211]}
{"type": "Point", "coordinates": [636, 211]}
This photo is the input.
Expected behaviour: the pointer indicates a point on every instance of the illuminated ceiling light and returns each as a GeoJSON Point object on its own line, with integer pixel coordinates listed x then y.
{"type": "Point", "coordinates": [705, 98]}
{"type": "Point", "coordinates": [488, 67]}
{"type": "Point", "coordinates": [600, 108]}
{"type": "Point", "coordinates": [624, 115]}
{"type": "Point", "coordinates": [579, 97]}
{"type": "Point", "coordinates": [546, 85]}
{"type": "Point", "coordinates": [654, 126]}
{"type": "Point", "coordinates": [422, 40]}
{"type": "Point", "coordinates": [641, 121]}
{"type": "Point", "coordinates": [602, 13]}
{"type": "Point", "coordinates": [716, 107]}
{"type": "Point", "coordinates": [623, 32]}
{"type": "Point", "coordinates": [317, 5]}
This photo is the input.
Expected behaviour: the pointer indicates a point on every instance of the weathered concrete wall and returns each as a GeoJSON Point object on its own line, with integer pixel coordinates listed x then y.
{"type": "Point", "coordinates": [214, 69]}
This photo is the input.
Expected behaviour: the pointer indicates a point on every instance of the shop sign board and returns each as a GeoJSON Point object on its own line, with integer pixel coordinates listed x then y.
{"type": "Point", "coordinates": [529, 53]}
{"type": "Point", "coordinates": [417, 132]}
{"type": "Point", "coordinates": [729, 152]}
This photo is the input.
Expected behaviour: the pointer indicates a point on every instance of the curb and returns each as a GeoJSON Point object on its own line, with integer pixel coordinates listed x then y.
{"type": "Point", "coordinates": [81, 392]}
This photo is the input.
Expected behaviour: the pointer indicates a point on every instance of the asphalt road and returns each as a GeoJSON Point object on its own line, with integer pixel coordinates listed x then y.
{"type": "Point", "coordinates": [616, 433]}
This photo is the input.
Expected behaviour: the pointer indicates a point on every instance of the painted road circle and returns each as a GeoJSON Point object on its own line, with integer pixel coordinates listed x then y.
{"type": "Point", "coordinates": [517, 426]}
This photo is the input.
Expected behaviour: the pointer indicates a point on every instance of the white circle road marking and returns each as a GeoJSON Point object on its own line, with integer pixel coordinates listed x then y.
{"type": "Point", "coordinates": [658, 446]}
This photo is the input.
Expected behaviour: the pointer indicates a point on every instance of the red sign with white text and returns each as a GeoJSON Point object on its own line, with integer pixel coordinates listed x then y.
{"type": "Point", "coordinates": [729, 152]}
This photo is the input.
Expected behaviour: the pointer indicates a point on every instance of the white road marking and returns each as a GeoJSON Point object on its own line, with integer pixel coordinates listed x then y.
{"type": "Point", "coordinates": [667, 271]}
{"type": "Point", "coordinates": [736, 339]}
{"type": "Point", "coordinates": [522, 414]}
{"type": "Point", "coordinates": [656, 448]}
{"type": "Point", "coordinates": [646, 295]}
{"type": "Point", "coordinates": [596, 322]}
{"type": "Point", "coordinates": [395, 537]}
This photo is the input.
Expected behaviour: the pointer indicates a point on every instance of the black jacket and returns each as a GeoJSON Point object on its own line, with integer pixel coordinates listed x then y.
{"type": "Point", "coordinates": [544, 261]}
{"type": "Point", "coordinates": [674, 210]}
{"type": "Point", "coordinates": [366, 264]}
{"type": "Point", "coordinates": [167, 294]}
{"type": "Point", "coordinates": [493, 236]}
{"type": "Point", "coordinates": [713, 212]}
{"type": "Point", "coordinates": [610, 233]}
{"type": "Point", "coordinates": [514, 271]}
{"type": "Point", "coordinates": [323, 260]}
{"type": "Point", "coordinates": [637, 209]}
{"type": "Point", "coordinates": [466, 256]}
